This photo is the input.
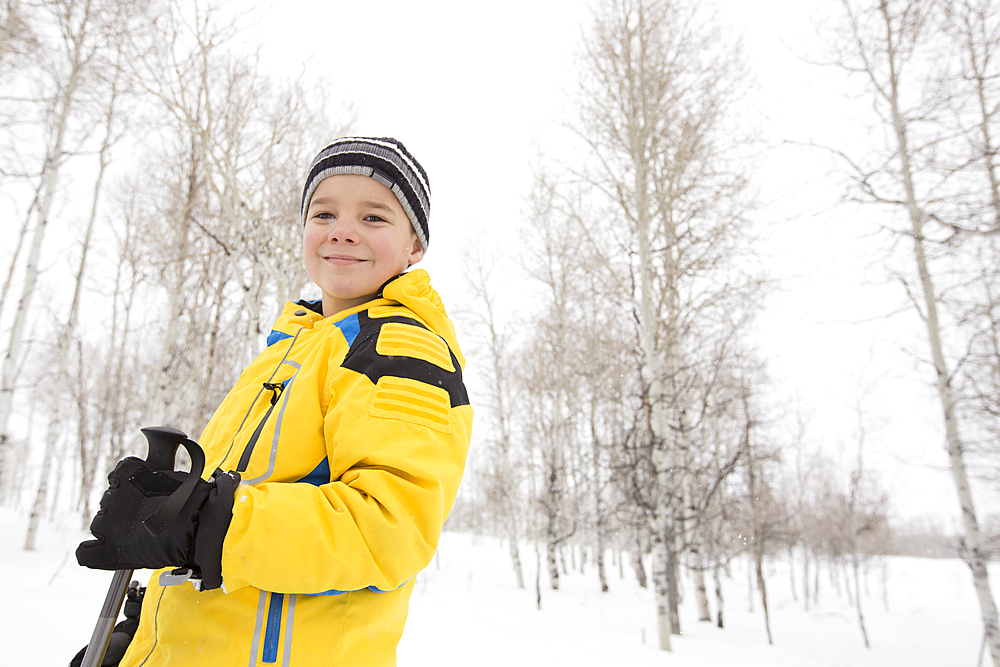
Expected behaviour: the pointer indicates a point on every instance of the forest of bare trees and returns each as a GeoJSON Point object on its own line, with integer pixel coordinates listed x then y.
{"type": "Point", "coordinates": [637, 415]}
{"type": "Point", "coordinates": [182, 161]}
{"type": "Point", "coordinates": [625, 420]}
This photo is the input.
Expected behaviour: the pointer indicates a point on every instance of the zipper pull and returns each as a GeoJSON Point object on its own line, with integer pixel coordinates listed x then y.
{"type": "Point", "coordinates": [276, 388]}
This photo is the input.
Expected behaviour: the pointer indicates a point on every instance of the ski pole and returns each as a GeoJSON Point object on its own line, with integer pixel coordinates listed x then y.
{"type": "Point", "coordinates": [162, 443]}
{"type": "Point", "coordinates": [106, 621]}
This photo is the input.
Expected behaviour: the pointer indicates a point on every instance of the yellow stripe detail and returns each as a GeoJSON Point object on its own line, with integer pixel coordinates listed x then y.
{"type": "Point", "coordinates": [405, 340]}
{"type": "Point", "coordinates": [411, 401]}
{"type": "Point", "coordinates": [389, 311]}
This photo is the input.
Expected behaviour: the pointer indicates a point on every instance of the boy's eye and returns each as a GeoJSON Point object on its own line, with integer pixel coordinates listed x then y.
{"type": "Point", "coordinates": [374, 218]}
{"type": "Point", "coordinates": [323, 215]}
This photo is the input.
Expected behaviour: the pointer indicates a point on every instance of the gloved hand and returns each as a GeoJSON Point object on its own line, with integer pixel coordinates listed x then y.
{"type": "Point", "coordinates": [193, 539]}
{"type": "Point", "coordinates": [122, 635]}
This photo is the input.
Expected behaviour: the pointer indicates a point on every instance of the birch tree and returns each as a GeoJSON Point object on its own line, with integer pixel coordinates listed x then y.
{"type": "Point", "coordinates": [67, 332]}
{"type": "Point", "coordinates": [890, 44]}
{"type": "Point", "coordinates": [554, 263]}
{"type": "Point", "coordinates": [495, 341]}
{"type": "Point", "coordinates": [80, 33]}
{"type": "Point", "coordinates": [237, 141]}
{"type": "Point", "coordinates": [972, 98]}
{"type": "Point", "coordinates": [656, 115]}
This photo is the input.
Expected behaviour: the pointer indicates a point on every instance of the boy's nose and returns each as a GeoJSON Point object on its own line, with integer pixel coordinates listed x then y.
{"type": "Point", "coordinates": [343, 231]}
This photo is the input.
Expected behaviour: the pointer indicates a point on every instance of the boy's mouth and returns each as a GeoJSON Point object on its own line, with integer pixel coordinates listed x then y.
{"type": "Point", "coordinates": [342, 259]}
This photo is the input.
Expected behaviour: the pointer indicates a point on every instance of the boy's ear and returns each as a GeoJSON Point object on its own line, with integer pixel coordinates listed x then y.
{"type": "Point", "coordinates": [416, 250]}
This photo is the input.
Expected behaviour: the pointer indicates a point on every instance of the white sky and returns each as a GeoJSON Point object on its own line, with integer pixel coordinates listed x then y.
{"type": "Point", "coordinates": [478, 90]}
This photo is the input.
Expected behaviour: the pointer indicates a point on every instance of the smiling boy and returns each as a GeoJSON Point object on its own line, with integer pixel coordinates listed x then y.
{"type": "Point", "coordinates": [349, 432]}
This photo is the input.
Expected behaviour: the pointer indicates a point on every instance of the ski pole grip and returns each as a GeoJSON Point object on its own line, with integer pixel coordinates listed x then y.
{"type": "Point", "coordinates": [163, 442]}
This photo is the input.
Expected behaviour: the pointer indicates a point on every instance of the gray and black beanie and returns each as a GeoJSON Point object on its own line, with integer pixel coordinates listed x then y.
{"type": "Point", "coordinates": [388, 162]}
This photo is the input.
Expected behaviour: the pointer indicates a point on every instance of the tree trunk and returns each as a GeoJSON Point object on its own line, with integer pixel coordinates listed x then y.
{"type": "Point", "coordinates": [21, 236]}
{"type": "Point", "coordinates": [8, 374]}
{"type": "Point", "coordinates": [38, 506]}
{"type": "Point", "coordinates": [161, 410]}
{"type": "Point", "coordinates": [975, 552]}
{"type": "Point", "coordinates": [816, 582]}
{"type": "Point", "coordinates": [791, 572]}
{"type": "Point", "coordinates": [66, 336]}
{"type": "Point", "coordinates": [701, 589]}
{"type": "Point", "coordinates": [857, 598]}
{"type": "Point", "coordinates": [672, 586]}
{"type": "Point", "coordinates": [805, 577]}
{"type": "Point", "coordinates": [718, 596]}
{"type": "Point", "coordinates": [602, 575]}
{"type": "Point", "coordinates": [51, 170]}
{"type": "Point", "coordinates": [662, 574]}
{"type": "Point", "coordinates": [842, 570]}
{"type": "Point", "coordinates": [515, 559]}
{"type": "Point", "coordinates": [538, 576]}
{"type": "Point", "coordinates": [550, 558]}
{"type": "Point", "coordinates": [640, 569]}
{"type": "Point", "coordinates": [663, 555]}
{"type": "Point", "coordinates": [758, 559]}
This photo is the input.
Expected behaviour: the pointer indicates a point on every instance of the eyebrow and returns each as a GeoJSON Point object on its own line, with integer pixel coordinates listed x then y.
{"type": "Point", "coordinates": [365, 204]}
{"type": "Point", "coordinates": [320, 200]}
{"type": "Point", "coordinates": [377, 205]}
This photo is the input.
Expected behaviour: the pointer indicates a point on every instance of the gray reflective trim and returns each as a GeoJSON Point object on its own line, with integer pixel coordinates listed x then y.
{"type": "Point", "coordinates": [384, 179]}
{"type": "Point", "coordinates": [258, 628]}
{"type": "Point", "coordinates": [277, 425]}
{"type": "Point", "coordinates": [289, 618]}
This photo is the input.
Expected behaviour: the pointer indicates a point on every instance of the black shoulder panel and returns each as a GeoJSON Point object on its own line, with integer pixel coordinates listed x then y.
{"type": "Point", "coordinates": [363, 358]}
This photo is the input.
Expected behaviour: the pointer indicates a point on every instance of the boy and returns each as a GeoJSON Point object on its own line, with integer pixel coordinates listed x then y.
{"type": "Point", "coordinates": [347, 437]}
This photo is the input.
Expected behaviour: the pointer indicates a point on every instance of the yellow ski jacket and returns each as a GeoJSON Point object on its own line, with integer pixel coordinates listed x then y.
{"type": "Point", "coordinates": [351, 434]}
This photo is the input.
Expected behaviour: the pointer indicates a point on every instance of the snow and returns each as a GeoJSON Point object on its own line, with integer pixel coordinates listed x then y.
{"type": "Point", "coordinates": [466, 607]}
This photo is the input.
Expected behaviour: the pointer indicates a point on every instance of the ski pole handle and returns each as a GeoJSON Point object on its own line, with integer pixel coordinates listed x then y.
{"type": "Point", "coordinates": [162, 443]}
{"type": "Point", "coordinates": [106, 621]}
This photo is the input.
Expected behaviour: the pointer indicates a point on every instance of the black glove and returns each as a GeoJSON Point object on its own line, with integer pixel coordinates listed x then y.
{"type": "Point", "coordinates": [122, 635]}
{"type": "Point", "coordinates": [193, 539]}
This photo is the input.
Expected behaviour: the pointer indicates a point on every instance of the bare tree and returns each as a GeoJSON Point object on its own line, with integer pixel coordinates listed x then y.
{"type": "Point", "coordinates": [658, 85]}
{"type": "Point", "coordinates": [504, 481]}
{"type": "Point", "coordinates": [554, 263]}
{"type": "Point", "coordinates": [67, 332]}
{"type": "Point", "coordinates": [69, 75]}
{"type": "Point", "coordinates": [765, 519]}
{"type": "Point", "coordinates": [884, 43]}
{"type": "Point", "coordinates": [236, 142]}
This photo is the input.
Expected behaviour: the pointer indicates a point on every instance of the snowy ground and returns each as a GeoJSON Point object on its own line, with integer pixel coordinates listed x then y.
{"type": "Point", "coordinates": [467, 610]}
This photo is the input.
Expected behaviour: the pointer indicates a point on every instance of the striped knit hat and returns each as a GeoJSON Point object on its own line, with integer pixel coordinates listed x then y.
{"type": "Point", "coordinates": [388, 162]}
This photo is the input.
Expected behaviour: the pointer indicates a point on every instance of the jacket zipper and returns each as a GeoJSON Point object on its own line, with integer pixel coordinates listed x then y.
{"type": "Point", "coordinates": [275, 388]}
{"type": "Point", "coordinates": [273, 628]}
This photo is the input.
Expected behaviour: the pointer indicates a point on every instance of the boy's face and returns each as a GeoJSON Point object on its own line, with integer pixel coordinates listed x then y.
{"type": "Point", "coordinates": [356, 237]}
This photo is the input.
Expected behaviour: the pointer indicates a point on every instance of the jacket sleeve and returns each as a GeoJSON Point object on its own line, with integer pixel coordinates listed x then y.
{"type": "Point", "coordinates": [397, 431]}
